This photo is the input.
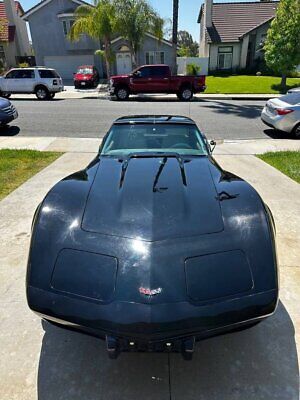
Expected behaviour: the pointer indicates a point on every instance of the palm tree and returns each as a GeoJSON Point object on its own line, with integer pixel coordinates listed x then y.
{"type": "Point", "coordinates": [98, 22]}
{"type": "Point", "coordinates": [134, 19]}
{"type": "Point", "coordinates": [175, 32]}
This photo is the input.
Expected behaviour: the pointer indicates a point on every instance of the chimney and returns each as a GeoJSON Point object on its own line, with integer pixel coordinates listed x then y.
{"type": "Point", "coordinates": [208, 13]}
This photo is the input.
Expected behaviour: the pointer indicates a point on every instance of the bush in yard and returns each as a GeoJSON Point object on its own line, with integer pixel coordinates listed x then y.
{"type": "Point", "coordinates": [282, 49]}
{"type": "Point", "coordinates": [193, 69]}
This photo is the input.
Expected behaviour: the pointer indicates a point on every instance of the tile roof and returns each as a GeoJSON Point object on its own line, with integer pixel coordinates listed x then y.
{"type": "Point", "coordinates": [231, 21]}
{"type": "Point", "coordinates": [7, 33]}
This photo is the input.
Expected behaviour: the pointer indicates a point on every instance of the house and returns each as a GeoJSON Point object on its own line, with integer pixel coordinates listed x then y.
{"type": "Point", "coordinates": [14, 41]}
{"type": "Point", "coordinates": [50, 22]}
{"type": "Point", "coordinates": [232, 34]}
{"type": "Point", "coordinates": [152, 51]}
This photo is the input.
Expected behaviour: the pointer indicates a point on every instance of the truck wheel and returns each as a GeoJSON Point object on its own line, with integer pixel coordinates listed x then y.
{"type": "Point", "coordinates": [122, 93]}
{"type": "Point", "coordinates": [42, 93]}
{"type": "Point", "coordinates": [185, 94]}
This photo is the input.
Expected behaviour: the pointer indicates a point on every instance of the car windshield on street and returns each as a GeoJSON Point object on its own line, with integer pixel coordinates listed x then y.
{"type": "Point", "coordinates": [84, 71]}
{"type": "Point", "coordinates": [126, 139]}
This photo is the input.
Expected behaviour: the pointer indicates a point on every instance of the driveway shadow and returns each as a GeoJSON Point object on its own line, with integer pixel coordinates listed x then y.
{"type": "Point", "coordinates": [9, 130]}
{"type": "Point", "coordinates": [250, 111]}
{"type": "Point", "coordinates": [260, 363]}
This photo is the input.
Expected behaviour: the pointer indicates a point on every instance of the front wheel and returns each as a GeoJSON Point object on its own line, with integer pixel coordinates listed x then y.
{"type": "Point", "coordinates": [42, 93]}
{"type": "Point", "coordinates": [185, 94]}
{"type": "Point", "coordinates": [122, 93]}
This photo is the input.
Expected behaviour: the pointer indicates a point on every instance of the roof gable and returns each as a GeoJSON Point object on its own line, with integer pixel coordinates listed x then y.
{"type": "Point", "coordinates": [231, 21]}
{"type": "Point", "coordinates": [44, 3]}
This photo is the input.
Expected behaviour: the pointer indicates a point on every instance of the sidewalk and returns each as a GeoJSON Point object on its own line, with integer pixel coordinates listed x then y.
{"type": "Point", "coordinates": [40, 361]}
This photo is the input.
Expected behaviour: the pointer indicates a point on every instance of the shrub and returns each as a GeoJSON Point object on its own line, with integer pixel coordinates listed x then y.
{"type": "Point", "coordinates": [193, 69]}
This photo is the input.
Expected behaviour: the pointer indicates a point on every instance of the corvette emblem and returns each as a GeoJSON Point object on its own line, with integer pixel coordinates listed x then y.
{"type": "Point", "coordinates": [150, 292]}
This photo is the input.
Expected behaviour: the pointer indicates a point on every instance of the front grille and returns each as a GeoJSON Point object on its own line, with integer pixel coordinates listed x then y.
{"type": "Point", "coordinates": [9, 110]}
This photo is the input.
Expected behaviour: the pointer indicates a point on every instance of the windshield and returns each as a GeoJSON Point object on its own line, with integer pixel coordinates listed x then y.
{"type": "Point", "coordinates": [123, 140]}
{"type": "Point", "coordinates": [84, 71]}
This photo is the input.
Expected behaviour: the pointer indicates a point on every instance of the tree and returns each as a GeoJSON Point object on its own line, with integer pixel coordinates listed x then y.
{"type": "Point", "coordinates": [187, 46]}
{"type": "Point", "coordinates": [134, 18]}
{"type": "Point", "coordinates": [282, 46]}
{"type": "Point", "coordinates": [175, 32]}
{"type": "Point", "coordinates": [98, 22]}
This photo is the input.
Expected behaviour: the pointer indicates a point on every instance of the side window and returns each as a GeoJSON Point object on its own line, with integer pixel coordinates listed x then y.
{"type": "Point", "coordinates": [11, 75]}
{"type": "Point", "coordinates": [145, 72]}
{"type": "Point", "coordinates": [25, 74]}
{"type": "Point", "coordinates": [48, 73]}
{"type": "Point", "coordinates": [160, 71]}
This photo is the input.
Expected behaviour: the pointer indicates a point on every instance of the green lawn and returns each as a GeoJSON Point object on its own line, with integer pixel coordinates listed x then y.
{"type": "Point", "coordinates": [287, 162]}
{"type": "Point", "coordinates": [247, 84]}
{"type": "Point", "coordinates": [16, 166]}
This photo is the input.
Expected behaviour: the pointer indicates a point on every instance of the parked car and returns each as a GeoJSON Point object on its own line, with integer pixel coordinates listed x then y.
{"type": "Point", "coordinates": [295, 90]}
{"type": "Point", "coordinates": [86, 76]}
{"type": "Point", "coordinates": [8, 112]}
{"type": "Point", "coordinates": [153, 246]}
{"type": "Point", "coordinates": [156, 79]}
{"type": "Point", "coordinates": [43, 82]}
{"type": "Point", "coordinates": [283, 114]}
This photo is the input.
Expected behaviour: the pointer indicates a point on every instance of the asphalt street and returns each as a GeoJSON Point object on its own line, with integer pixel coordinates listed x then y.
{"type": "Point", "coordinates": [91, 117]}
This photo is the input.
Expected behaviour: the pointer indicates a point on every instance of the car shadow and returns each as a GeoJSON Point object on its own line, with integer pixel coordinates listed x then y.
{"type": "Point", "coordinates": [258, 363]}
{"type": "Point", "coordinates": [250, 111]}
{"type": "Point", "coordinates": [13, 99]}
{"type": "Point", "coordinates": [274, 134]}
{"type": "Point", "coordinates": [9, 130]}
{"type": "Point", "coordinates": [154, 99]}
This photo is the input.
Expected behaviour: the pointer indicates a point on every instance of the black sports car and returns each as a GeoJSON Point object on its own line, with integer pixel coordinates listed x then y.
{"type": "Point", "coordinates": [153, 246]}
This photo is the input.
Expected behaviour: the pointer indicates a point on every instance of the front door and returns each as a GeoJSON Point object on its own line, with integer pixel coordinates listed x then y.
{"type": "Point", "coordinates": [124, 63]}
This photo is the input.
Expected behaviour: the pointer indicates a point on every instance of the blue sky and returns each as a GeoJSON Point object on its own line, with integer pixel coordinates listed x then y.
{"type": "Point", "coordinates": [188, 12]}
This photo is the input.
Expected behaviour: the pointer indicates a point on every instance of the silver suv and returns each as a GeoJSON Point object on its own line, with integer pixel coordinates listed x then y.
{"type": "Point", "coordinates": [43, 82]}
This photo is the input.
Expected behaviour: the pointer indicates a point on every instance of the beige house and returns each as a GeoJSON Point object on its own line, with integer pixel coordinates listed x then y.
{"type": "Point", "coordinates": [14, 41]}
{"type": "Point", "coordinates": [232, 34]}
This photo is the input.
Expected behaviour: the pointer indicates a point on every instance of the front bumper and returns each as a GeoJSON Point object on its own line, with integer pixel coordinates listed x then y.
{"type": "Point", "coordinates": [150, 323]}
{"type": "Point", "coordinates": [7, 118]}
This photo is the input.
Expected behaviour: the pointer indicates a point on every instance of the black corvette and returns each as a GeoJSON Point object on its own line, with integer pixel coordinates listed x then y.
{"type": "Point", "coordinates": [153, 246]}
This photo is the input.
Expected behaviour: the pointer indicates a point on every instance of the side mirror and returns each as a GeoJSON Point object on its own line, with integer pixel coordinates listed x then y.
{"type": "Point", "coordinates": [212, 144]}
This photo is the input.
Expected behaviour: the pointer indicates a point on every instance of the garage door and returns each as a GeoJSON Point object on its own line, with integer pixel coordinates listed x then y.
{"type": "Point", "coordinates": [67, 65]}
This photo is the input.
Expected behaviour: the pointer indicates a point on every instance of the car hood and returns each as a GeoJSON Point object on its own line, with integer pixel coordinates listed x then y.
{"type": "Point", "coordinates": [153, 199]}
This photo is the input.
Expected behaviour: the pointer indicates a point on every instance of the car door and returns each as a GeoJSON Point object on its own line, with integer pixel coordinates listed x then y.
{"type": "Point", "coordinates": [26, 80]}
{"type": "Point", "coordinates": [140, 80]}
{"type": "Point", "coordinates": [160, 79]}
{"type": "Point", "coordinates": [10, 81]}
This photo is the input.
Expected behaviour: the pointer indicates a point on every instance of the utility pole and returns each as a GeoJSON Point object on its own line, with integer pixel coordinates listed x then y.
{"type": "Point", "coordinates": [175, 33]}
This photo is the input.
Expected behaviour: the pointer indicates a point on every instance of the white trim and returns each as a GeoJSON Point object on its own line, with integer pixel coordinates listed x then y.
{"type": "Point", "coordinates": [147, 34]}
{"type": "Point", "coordinates": [66, 15]}
{"type": "Point", "coordinates": [45, 2]}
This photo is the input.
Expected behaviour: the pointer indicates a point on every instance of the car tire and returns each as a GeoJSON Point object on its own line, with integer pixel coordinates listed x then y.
{"type": "Point", "coordinates": [42, 93]}
{"type": "Point", "coordinates": [296, 131]}
{"type": "Point", "coordinates": [185, 94]}
{"type": "Point", "coordinates": [5, 95]}
{"type": "Point", "coordinates": [122, 93]}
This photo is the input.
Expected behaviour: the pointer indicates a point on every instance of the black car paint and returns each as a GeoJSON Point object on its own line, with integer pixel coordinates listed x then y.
{"type": "Point", "coordinates": [154, 240]}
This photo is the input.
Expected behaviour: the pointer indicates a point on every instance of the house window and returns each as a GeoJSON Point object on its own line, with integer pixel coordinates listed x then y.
{"type": "Point", "coordinates": [67, 24]}
{"type": "Point", "coordinates": [225, 57]}
{"type": "Point", "coordinates": [155, 57]}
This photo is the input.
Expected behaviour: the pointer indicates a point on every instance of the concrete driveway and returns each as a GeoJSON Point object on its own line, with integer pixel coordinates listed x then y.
{"type": "Point", "coordinates": [40, 361]}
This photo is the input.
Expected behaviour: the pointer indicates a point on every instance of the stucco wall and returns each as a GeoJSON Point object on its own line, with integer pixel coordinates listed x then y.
{"type": "Point", "coordinates": [236, 53]}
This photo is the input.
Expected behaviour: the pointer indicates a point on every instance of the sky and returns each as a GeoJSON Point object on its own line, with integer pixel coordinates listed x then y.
{"type": "Point", "coordinates": [188, 12]}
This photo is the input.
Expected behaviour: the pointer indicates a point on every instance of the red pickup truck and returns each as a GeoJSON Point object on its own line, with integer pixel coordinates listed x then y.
{"type": "Point", "coordinates": [156, 79]}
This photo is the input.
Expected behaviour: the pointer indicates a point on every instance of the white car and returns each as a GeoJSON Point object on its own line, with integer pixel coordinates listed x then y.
{"type": "Point", "coordinates": [43, 82]}
{"type": "Point", "coordinates": [283, 114]}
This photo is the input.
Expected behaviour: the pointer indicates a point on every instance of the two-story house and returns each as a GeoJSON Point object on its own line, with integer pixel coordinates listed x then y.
{"type": "Point", "coordinates": [14, 41]}
{"type": "Point", "coordinates": [50, 22]}
{"type": "Point", "coordinates": [232, 34]}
